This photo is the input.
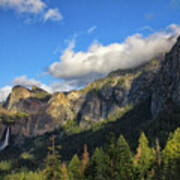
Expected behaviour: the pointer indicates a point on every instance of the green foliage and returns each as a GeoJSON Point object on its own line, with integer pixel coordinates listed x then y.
{"type": "Point", "coordinates": [40, 94]}
{"type": "Point", "coordinates": [123, 160]}
{"type": "Point", "coordinates": [121, 82]}
{"type": "Point", "coordinates": [71, 127]}
{"type": "Point", "coordinates": [21, 115]}
{"type": "Point", "coordinates": [74, 168]}
{"type": "Point", "coordinates": [119, 112]}
{"type": "Point", "coordinates": [11, 118]}
{"type": "Point", "coordinates": [144, 158]}
{"type": "Point", "coordinates": [171, 156]}
{"type": "Point", "coordinates": [27, 156]}
{"type": "Point", "coordinates": [53, 169]}
{"type": "Point", "coordinates": [5, 165]}
{"type": "Point", "coordinates": [117, 162]}
{"type": "Point", "coordinates": [98, 167]}
{"type": "Point", "coordinates": [25, 176]}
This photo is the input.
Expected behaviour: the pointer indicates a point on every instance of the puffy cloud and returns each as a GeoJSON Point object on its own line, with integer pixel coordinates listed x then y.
{"type": "Point", "coordinates": [99, 60]}
{"type": "Point", "coordinates": [60, 86]}
{"type": "Point", "coordinates": [55, 86]}
{"type": "Point", "coordinates": [53, 14]}
{"type": "Point", "coordinates": [24, 81]}
{"type": "Point", "coordinates": [33, 7]}
{"type": "Point", "coordinates": [4, 92]}
{"type": "Point", "coordinates": [63, 86]}
{"type": "Point", "coordinates": [91, 29]}
{"type": "Point", "coordinates": [28, 6]}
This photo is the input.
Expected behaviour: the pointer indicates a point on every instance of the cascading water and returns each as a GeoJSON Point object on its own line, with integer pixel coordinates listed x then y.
{"type": "Point", "coordinates": [5, 142]}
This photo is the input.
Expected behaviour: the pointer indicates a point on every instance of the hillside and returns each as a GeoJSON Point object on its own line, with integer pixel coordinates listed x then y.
{"type": "Point", "coordinates": [126, 102]}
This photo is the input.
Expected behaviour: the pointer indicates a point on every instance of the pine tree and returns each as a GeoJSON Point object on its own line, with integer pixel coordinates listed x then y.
{"type": "Point", "coordinates": [124, 160]}
{"type": "Point", "coordinates": [74, 168]}
{"type": "Point", "coordinates": [98, 167]}
{"type": "Point", "coordinates": [171, 157]}
{"type": "Point", "coordinates": [111, 152]}
{"type": "Point", "coordinates": [158, 162]}
{"type": "Point", "coordinates": [144, 158]}
{"type": "Point", "coordinates": [53, 165]}
{"type": "Point", "coordinates": [110, 149]}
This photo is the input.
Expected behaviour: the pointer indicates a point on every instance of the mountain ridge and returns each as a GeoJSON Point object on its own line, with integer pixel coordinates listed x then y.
{"type": "Point", "coordinates": [103, 100]}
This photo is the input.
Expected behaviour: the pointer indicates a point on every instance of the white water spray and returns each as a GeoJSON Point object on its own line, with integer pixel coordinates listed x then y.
{"type": "Point", "coordinates": [5, 143]}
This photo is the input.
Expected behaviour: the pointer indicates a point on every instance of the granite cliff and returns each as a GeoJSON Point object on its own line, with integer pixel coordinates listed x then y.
{"type": "Point", "coordinates": [33, 112]}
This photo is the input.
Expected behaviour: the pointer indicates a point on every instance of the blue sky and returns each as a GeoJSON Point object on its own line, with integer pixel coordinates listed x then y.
{"type": "Point", "coordinates": [64, 44]}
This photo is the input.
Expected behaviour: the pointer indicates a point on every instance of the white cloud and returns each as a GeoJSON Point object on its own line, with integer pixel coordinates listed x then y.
{"type": "Point", "coordinates": [91, 29]}
{"type": "Point", "coordinates": [99, 60]}
{"type": "Point", "coordinates": [33, 7]}
{"type": "Point", "coordinates": [55, 86]}
{"type": "Point", "coordinates": [4, 92]}
{"type": "Point", "coordinates": [24, 6]}
{"type": "Point", "coordinates": [24, 81]}
{"type": "Point", "coordinates": [62, 86]}
{"type": "Point", "coordinates": [53, 14]}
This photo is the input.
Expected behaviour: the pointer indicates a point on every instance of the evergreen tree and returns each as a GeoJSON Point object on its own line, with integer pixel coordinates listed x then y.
{"type": "Point", "coordinates": [75, 168]}
{"type": "Point", "coordinates": [144, 159]}
{"type": "Point", "coordinates": [158, 162]}
{"type": "Point", "coordinates": [171, 157]}
{"type": "Point", "coordinates": [111, 152]}
{"type": "Point", "coordinates": [98, 167]}
{"type": "Point", "coordinates": [110, 148]}
{"type": "Point", "coordinates": [53, 166]}
{"type": "Point", "coordinates": [124, 160]}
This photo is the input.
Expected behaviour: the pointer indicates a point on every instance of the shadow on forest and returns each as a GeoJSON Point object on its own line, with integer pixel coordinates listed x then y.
{"type": "Point", "coordinates": [130, 125]}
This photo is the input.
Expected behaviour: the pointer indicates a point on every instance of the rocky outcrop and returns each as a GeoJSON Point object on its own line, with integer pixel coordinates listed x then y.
{"type": "Point", "coordinates": [18, 93]}
{"type": "Point", "coordinates": [166, 88]}
{"type": "Point", "coordinates": [156, 82]}
{"type": "Point", "coordinates": [98, 101]}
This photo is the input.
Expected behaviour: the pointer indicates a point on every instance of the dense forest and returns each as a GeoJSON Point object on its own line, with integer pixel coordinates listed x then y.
{"type": "Point", "coordinates": [125, 126]}
{"type": "Point", "coordinates": [115, 161]}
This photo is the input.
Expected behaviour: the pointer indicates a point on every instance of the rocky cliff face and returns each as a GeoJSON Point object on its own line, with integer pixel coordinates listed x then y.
{"type": "Point", "coordinates": [166, 87]}
{"type": "Point", "coordinates": [156, 81]}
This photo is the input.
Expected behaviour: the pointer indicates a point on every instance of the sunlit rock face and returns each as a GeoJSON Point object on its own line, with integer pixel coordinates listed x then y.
{"type": "Point", "coordinates": [18, 93]}
{"type": "Point", "coordinates": [98, 101]}
{"type": "Point", "coordinates": [156, 83]}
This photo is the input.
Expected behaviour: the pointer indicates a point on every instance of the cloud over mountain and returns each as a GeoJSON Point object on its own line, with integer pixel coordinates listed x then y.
{"type": "Point", "coordinates": [82, 67]}
{"type": "Point", "coordinates": [4, 92]}
{"type": "Point", "coordinates": [24, 81]}
{"type": "Point", "coordinates": [75, 69]}
{"type": "Point", "coordinates": [60, 86]}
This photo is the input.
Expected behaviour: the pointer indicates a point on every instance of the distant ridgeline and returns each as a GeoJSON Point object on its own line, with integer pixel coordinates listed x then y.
{"type": "Point", "coordinates": [128, 102]}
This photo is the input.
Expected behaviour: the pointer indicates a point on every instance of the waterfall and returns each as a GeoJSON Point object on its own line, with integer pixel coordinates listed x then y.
{"type": "Point", "coordinates": [5, 143]}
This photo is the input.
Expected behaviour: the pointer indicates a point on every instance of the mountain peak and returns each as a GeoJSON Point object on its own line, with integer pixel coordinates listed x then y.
{"type": "Point", "coordinates": [36, 88]}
